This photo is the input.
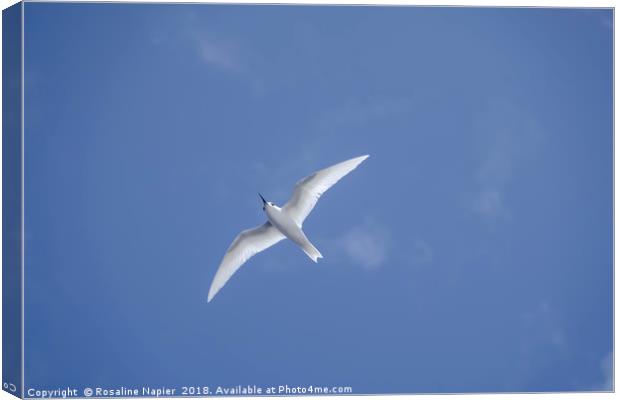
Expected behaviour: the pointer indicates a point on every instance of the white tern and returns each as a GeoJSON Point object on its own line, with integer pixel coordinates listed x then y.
{"type": "Point", "coordinates": [282, 222]}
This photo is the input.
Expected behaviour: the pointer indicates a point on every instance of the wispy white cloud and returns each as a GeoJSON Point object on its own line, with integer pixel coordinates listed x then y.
{"type": "Point", "coordinates": [545, 341]}
{"type": "Point", "coordinates": [542, 341]}
{"type": "Point", "coordinates": [507, 137]}
{"type": "Point", "coordinates": [489, 203]}
{"type": "Point", "coordinates": [218, 53]}
{"type": "Point", "coordinates": [367, 244]}
{"type": "Point", "coordinates": [607, 22]}
{"type": "Point", "coordinates": [217, 50]}
{"type": "Point", "coordinates": [229, 55]}
{"type": "Point", "coordinates": [605, 18]}
{"type": "Point", "coordinates": [607, 371]}
{"type": "Point", "coordinates": [545, 327]}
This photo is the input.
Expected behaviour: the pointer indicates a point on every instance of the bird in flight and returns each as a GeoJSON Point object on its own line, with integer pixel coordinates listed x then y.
{"type": "Point", "coordinates": [282, 222]}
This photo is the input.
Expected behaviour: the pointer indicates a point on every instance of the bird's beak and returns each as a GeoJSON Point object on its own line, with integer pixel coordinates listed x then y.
{"type": "Point", "coordinates": [263, 199]}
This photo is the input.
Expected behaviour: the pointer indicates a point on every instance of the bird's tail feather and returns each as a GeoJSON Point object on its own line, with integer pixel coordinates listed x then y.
{"type": "Point", "coordinates": [312, 252]}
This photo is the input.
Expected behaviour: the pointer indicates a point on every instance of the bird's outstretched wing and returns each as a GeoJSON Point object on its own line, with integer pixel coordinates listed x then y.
{"type": "Point", "coordinates": [245, 245]}
{"type": "Point", "coordinates": [308, 190]}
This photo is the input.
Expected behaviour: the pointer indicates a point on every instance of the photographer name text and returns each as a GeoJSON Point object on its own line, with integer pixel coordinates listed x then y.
{"type": "Point", "coordinates": [190, 391]}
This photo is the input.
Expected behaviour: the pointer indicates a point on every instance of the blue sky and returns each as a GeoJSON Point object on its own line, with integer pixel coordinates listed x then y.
{"type": "Point", "coordinates": [471, 252]}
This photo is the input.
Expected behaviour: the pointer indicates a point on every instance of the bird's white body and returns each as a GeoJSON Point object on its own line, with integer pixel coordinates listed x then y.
{"type": "Point", "coordinates": [281, 219]}
{"type": "Point", "coordinates": [283, 222]}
